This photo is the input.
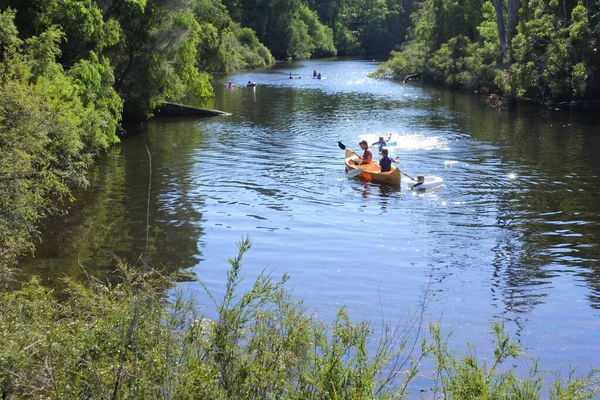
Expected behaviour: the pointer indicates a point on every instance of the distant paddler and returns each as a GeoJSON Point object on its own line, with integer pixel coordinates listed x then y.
{"type": "Point", "coordinates": [382, 142]}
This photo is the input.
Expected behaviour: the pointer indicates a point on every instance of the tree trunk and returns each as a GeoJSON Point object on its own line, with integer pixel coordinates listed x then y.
{"type": "Point", "coordinates": [500, 20]}
{"type": "Point", "coordinates": [513, 17]}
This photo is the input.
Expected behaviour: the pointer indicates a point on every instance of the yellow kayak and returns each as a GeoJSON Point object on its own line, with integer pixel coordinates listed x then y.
{"type": "Point", "coordinates": [372, 172]}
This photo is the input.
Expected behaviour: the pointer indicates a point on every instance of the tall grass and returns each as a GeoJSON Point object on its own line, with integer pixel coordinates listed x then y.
{"type": "Point", "coordinates": [129, 340]}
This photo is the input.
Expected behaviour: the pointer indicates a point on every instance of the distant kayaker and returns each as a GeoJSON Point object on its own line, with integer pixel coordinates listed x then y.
{"type": "Point", "coordinates": [385, 163]}
{"type": "Point", "coordinates": [367, 156]}
{"type": "Point", "coordinates": [382, 141]}
{"type": "Point", "coordinates": [315, 73]}
{"type": "Point", "coordinates": [319, 75]}
{"type": "Point", "coordinates": [230, 85]}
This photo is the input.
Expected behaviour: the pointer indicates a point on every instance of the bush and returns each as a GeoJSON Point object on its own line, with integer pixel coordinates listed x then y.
{"type": "Point", "coordinates": [127, 339]}
{"type": "Point", "coordinates": [52, 122]}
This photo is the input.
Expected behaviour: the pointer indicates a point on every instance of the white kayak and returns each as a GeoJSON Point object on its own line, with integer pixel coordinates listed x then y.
{"type": "Point", "coordinates": [431, 182]}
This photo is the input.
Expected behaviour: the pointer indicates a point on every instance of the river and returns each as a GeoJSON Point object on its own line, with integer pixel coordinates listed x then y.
{"type": "Point", "coordinates": [514, 233]}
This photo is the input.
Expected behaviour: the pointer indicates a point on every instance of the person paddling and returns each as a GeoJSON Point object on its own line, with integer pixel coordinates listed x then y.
{"type": "Point", "coordinates": [385, 163]}
{"type": "Point", "coordinates": [382, 142]}
{"type": "Point", "coordinates": [314, 73]}
{"type": "Point", "coordinates": [367, 156]}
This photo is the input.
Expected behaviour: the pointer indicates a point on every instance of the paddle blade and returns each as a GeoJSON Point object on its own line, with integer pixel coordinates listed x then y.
{"type": "Point", "coordinates": [341, 145]}
{"type": "Point", "coordinates": [354, 172]}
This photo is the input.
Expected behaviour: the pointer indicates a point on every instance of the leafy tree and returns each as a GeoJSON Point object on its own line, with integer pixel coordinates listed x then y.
{"type": "Point", "coordinates": [288, 28]}
{"type": "Point", "coordinates": [544, 50]}
{"type": "Point", "coordinates": [156, 59]}
{"type": "Point", "coordinates": [81, 21]}
{"type": "Point", "coordinates": [51, 122]}
{"type": "Point", "coordinates": [224, 45]}
{"type": "Point", "coordinates": [320, 37]}
{"type": "Point", "coordinates": [552, 53]}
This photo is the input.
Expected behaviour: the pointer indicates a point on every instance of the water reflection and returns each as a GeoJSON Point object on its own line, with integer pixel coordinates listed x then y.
{"type": "Point", "coordinates": [549, 211]}
{"type": "Point", "coordinates": [108, 219]}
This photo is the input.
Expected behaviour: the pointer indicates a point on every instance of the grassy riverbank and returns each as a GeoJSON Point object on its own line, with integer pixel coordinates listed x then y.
{"type": "Point", "coordinates": [127, 339]}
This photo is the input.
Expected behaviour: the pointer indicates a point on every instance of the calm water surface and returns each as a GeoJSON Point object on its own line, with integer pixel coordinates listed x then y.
{"type": "Point", "coordinates": [514, 233]}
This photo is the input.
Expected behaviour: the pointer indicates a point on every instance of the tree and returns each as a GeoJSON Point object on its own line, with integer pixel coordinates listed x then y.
{"type": "Point", "coordinates": [500, 21]}
{"type": "Point", "coordinates": [52, 121]}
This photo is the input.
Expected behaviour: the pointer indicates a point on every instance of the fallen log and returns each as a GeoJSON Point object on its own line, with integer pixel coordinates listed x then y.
{"type": "Point", "coordinates": [412, 77]}
{"type": "Point", "coordinates": [169, 109]}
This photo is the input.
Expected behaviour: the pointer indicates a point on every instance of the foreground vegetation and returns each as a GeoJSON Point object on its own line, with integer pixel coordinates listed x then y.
{"type": "Point", "coordinates": [542, 50]}
{"type": "Point", "coordinates": [126, 339]}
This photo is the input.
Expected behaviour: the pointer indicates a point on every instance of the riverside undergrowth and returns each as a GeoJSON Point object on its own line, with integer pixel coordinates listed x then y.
{"type": "Point", "coordinates": [134, 337]}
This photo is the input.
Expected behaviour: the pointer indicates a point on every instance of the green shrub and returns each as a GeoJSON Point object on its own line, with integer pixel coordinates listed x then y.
{"type": "Point", "coordinates": [127, 339]}
{"type": "Point", "coordinates": [52, 121]}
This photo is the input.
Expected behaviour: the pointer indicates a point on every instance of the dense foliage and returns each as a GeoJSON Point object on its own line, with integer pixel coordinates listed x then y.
{"type": "Point", "coordinates": [158, 49]}
{"type": "Point", "coordinates": [306, 28]}
{"type": "Point", "coordinates": [126, 340]}
{"type": "Point", "coordinates": [71, 70]}
{"type": "Point", "coordinates": [539, 49]}
{"type": "Point", "coordinates": [52, 120]}
{"type": "Point", "coordinates": [225, 45]}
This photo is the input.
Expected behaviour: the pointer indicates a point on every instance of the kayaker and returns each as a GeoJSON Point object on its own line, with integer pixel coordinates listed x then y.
{"type": "Point", "coordinates": [367, 156]}
{"type": "Point", "coordinates": [319, 75]}
{"type": "Point", "coordinates": [382, 141]}
{"type": "Point", "coordinates": [230, 85]}
{"type": "Point", "coordinates": [315, 73]}
{"type": "Point", "coordinates": [385, 163]}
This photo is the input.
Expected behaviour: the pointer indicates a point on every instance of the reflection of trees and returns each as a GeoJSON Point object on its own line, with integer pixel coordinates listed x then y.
{"type": "Point", "coordinates": [109, 217]}
{"type": "Point", "coordinates": [549, 215]}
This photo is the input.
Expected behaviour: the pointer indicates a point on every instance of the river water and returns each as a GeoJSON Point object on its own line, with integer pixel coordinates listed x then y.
{"type": "Point", "coordinates": [513, 234]}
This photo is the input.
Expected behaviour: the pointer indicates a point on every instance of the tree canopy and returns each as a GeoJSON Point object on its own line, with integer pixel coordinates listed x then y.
{"type": "Point", "coordinates": [544, 50]}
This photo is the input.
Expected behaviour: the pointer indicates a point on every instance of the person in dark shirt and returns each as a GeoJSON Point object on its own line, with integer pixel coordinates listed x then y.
{"type": "Point", "coordinates": [385, 163]}
{"type": "Point", "coordinates": [367, 156]}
